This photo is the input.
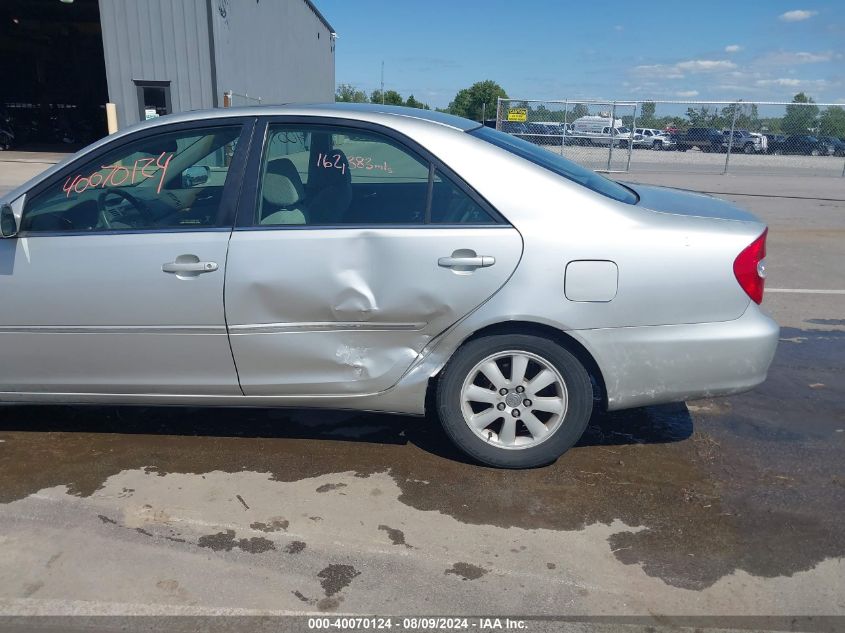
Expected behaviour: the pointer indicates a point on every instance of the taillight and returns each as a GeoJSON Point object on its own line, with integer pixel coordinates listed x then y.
{"type": "Point", "coordinates": [750, 268]}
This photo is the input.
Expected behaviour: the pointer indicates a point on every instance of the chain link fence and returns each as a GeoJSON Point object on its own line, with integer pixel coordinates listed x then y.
{"type": "Point", "coordinates": [765, 138]}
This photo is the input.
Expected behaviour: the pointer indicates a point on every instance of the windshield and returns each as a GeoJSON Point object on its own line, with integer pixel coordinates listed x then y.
{"type": "Point", "coordinates": [556, 164]}
{"type": "Point", "coordinates": [622, 130]}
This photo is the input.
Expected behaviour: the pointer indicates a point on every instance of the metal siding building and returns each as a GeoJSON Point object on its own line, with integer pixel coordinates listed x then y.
{"type": "Point", "coordinates": [177, 55]}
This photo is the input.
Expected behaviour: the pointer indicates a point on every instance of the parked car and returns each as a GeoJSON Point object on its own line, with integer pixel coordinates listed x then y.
{"type": "Point", "coordinates": [707, 139]}
{"type": "Point", "coordinates": [653, 139]}
{"type": "Point", "coordinates": [744, 141]}
{"type": "Point", "coordinates": [837, 144]}
{"type": "Point", "coordinates": [761, 142]}
{"type": "Point", "coordinates": [775, 143]}
{"type": "Point", "coordinates": [807, 145]}
{"type": "Point", "coordinates": [513, 127]}
{"type": "Point", "coordinates": [548, 134]}
{"type": "Point", "coordinates": [375, 258]}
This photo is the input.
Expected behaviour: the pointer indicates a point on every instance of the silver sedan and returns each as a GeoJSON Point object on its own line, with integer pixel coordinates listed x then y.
{"type": "Point", "coordinates": [374, 258]}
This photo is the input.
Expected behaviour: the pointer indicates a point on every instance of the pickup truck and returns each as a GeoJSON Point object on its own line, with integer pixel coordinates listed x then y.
{"type": "Point", "coordinates": [707, 139]}
{"type": "Point", "coordinates": [653, 139]}
{"type": "Point", "coordinates": [746, 142]}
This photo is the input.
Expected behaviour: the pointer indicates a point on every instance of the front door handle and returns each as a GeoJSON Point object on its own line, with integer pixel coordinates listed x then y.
{"type": "Point", "coordinates": [479, 261]}
{"type": "Point", "coordinates": [189, 267]}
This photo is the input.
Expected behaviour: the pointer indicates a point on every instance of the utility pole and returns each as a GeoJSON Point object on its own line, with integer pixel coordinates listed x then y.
{"type": "Point", "coordinates": [382, 82]}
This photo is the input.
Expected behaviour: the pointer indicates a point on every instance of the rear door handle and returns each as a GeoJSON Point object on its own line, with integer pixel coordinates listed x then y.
{"type": "Point", "coordinates": [479, 261]}
{"type": "Point", "coordinates": [189, 267]}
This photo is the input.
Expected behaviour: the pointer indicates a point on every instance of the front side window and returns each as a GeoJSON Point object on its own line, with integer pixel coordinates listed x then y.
{"type": "Point", "coordinates": [335, 176]}
{"type": "Point", "coordinates": [164, 181]}
{"type": "Point", "coordinates": [556, 164]}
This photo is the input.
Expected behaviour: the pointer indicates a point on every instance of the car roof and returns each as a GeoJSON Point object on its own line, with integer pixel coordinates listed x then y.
{"type": "Point", "coordinates": [339, 110]}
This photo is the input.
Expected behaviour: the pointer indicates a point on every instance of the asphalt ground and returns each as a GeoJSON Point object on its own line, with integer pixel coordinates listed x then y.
{"type": "Point", "coordinates": [697, 162]}
{"type": "Point", "coordinates": [723, 507]}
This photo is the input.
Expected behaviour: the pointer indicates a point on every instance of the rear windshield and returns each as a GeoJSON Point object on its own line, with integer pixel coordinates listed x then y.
{"type": "Point", "coordinates": [557, 164]}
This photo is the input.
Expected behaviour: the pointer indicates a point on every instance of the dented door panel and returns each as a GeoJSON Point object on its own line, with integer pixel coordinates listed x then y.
{"type": "Point", "coordinates": [347, 310]}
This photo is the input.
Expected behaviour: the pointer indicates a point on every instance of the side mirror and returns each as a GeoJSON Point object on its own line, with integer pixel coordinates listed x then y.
{"type": "Point", "coordinates": [196, 175]}
{"type": "Point", "coordinates": [8, 223]}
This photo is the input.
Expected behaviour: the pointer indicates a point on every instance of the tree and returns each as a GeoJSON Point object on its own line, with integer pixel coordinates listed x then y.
{"type": "Point", "coordinates": [646, 117]}
{"type": "Point", "coordinates": [800, 118]}
{"type": "Point", "coordinates": [391, 97]}
{"type": "Point", "coordinates": [832, 122]}
{"type": "Point", "coordinates": [749, 118]}
{"type": "Point", "coordinates": [413, 103]}
{"type": "Point", "coordinates": [347, 93]}
{"type": "Point", "coordinates": [579, 110]}
{"type": "Point", "coordinates": [746, 116]}
{"type": "Point", "coordinates": [699, 117]}
{"type": "Point", "coordinates": [469, 102]}
{"type": "Point", "coordinates": [544, 114]}
{"type": "Point", "coordinates": [771, 125]}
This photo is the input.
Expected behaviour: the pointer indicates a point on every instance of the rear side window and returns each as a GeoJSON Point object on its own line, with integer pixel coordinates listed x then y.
{"type": "Point", "coordinates": [556, 164]}
{"type": "Point", "coordinates": [335, 176]}
{"type": "Point", "coordinates": [451, 205]}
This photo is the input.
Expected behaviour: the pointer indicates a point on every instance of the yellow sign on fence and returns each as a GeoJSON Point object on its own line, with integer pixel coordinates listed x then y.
{"type": "Point", "coordinates": [518, 114]}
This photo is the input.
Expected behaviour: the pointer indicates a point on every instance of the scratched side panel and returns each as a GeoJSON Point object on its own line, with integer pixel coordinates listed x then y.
{"type": "Point", "coordinates": [344, 311]}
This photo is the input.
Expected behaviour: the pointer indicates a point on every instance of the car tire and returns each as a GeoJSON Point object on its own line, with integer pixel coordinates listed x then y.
{"type": "Point", "coordinates": [508, 439]}
{"type": "Point", "coordinates": [814, 152]}
{"type": "Point", "coordinates": [748, 148]}
{"type": "Point", "coordinates": [657, 146]}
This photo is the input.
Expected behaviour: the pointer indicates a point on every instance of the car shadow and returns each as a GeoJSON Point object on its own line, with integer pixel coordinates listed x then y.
{"type": "Point", "coordinates": [648, 425]}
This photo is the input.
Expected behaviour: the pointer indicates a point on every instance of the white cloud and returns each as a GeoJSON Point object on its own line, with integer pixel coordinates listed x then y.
{"type": "Point", "coordinates": [618, 27]}
{"type": "Point", "coordinates": [733, 48]}
{"type": "Point", "coordinates": [790, 58]}
{"type": "Point", "coordinates": [664, 71]}
{"type": "Point", "coordinates": [783, 81]}
{"type": "Point", "coordinates": [797, 15]}
{"type": "Point", "coordinates": [678, 70]}
{"type": "Point", "coordinates": [769, 77]}
{"type": "Point", "coordinates": [704, 65]}
{"type": "Point", "coordinates": [811, 58]}
{"type": "Point", "coordinates": [791, 82]}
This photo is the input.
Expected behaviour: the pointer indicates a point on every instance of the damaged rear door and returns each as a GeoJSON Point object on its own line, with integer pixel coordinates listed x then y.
{"type": "Point", "coordinates": [352, 251]}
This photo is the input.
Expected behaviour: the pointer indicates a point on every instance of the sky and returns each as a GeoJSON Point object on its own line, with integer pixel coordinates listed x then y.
{"type": "Point", "coordinates": [756, 50]}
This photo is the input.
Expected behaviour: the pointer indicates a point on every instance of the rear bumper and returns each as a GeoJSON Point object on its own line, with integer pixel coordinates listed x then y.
{"type": "Point", "coordinates": [670, 363]}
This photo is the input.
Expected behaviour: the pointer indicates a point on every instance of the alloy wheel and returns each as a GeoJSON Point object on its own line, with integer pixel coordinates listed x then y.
{"type": "Point", "coordinates": [514, 399]}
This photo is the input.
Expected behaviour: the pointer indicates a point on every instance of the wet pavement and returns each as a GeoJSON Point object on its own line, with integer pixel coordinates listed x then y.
{"type": "Point", "coordinates": [696, 492]}
{"type": "Point", "coordinates": [722, 506]}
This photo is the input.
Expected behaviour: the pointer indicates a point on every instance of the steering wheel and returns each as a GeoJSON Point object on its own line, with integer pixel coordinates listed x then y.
{"type": "Point", "coordinates": [139, 206]}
